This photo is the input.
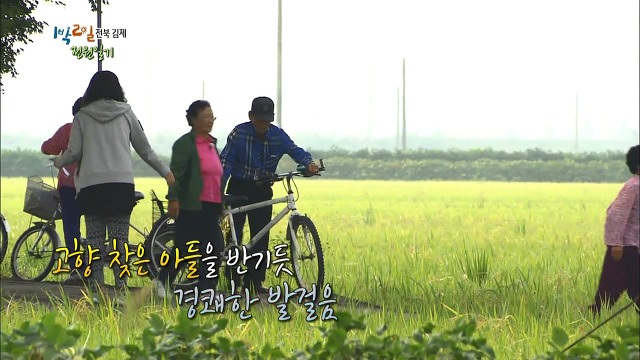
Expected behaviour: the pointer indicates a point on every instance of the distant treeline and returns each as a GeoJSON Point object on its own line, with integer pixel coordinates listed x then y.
{"type": "Point", "coordinates": [533, 165]}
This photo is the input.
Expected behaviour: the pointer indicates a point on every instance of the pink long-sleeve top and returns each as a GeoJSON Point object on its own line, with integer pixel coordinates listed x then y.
{"type": "Point", "coordinates": [622, 226]}
{"type": "Point", "coordinates": [211, 170]}
{"type": "Point", "coordinates": [55, 146]}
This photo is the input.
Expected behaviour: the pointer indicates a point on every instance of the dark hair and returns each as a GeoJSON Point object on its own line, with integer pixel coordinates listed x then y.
{"type": "Point", "coordinates": [633, 159]}
{"type": "Point", "coordinates": [76, 106]}
{"type": "Point", "coordinates": [195, 108]}
{"type": "Point", "coordinates": [103, 85]}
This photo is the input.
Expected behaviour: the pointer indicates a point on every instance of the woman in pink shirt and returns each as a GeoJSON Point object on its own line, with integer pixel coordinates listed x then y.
{"type": "Point", "coordinates": [621, 268]}
{"type": "Point", "coordinates": [71, 213]}
{"type": "Point", "coordinates": [195, 199]}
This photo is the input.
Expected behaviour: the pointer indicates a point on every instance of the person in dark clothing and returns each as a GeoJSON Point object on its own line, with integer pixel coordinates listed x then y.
{"type": "Point", "coordinates": [621, 264]}
{"type": "Point", "coordinates": [195, 199]}
{"type": "Point", "coordinates": [254, 149]}
{"type": "Point", "coordinates": [71, 213]}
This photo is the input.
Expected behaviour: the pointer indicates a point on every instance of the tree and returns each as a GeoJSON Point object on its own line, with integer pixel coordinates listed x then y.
{"type": "Point", "coordinates": [17, 26]}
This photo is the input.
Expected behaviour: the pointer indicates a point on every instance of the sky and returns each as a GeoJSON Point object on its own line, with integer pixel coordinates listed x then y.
{"type": "Point", "coordinates": [474, 69]}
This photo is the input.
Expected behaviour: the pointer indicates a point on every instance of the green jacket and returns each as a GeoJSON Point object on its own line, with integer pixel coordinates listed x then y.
{"type": "Point", "coordinates": [185, 166]}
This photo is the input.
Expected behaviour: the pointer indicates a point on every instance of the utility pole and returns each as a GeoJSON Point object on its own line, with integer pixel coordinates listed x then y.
{"type": "Point", "coordinates": [404, 113]}
{"type": "Point", "coordinates": [99, 26]}
{"type": "Point", "coordinates": [370, 107]}
{"type": "Point", "coordinates": [398, 118]}
{"type": "Point", "coordinates": [202, 89]}
{"type": "Point", "coordinates": [576, 145]}
{"type": "Point", "coordinates": [279, 90]}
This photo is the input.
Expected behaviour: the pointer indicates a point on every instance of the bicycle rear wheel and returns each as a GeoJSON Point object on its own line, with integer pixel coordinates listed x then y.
{"type": "Point", "coordinates": [162, 240]}
{"type": "Point", "coordinates": [306, 253]}
{"type": "Point", "coordinates": [157, 242]}
{"type": "Point", "coordinates": [165, 242]}
{"type": "Point", "coordinates": [34, 254]}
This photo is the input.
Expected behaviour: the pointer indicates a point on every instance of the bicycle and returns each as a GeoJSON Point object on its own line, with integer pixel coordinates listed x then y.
{"type": "Point", "coordinates": [43, 201]}
{"type": "Point", "coordinates": [234, 204]}
{"type": "Point", "coordinates": [4, 244]}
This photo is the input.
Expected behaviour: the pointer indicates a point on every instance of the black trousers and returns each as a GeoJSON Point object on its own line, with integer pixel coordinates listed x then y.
{"type": "Point", "coordinates": [70, 220]}
{"type": "Point", "coordinates": [618, 277]}
{"type": "Point", "coordinates": [203, 226]}
{"type": "Point", "coordinates": [258, 219]}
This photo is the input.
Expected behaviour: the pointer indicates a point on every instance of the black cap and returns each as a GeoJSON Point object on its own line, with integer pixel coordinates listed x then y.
{"type": "Point", "coordinates": [262, 108]}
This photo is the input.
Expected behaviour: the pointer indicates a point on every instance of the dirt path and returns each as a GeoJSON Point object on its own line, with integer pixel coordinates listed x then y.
{"type": "Point", "coordinates": [47, 293]}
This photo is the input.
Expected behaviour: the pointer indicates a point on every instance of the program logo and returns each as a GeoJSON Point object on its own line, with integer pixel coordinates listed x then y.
{"type": "Point", "coordinates": [80, 33]}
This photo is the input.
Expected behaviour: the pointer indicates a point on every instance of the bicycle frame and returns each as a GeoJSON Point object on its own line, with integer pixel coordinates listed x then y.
{"type": "Point", "coordinates": [290, 209]}
{"type": "Point", "coordinates": [158, 203]}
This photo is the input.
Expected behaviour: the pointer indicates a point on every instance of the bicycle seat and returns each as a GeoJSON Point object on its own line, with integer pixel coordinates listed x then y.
{"type": "Point", "coordinates": [139, 195]}
{"type": "Point", "coordinates": [234, 200]}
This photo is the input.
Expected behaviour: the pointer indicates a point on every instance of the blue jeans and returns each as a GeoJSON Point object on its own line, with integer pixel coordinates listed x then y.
{"type": "Point", "coordinates": [70, 219]}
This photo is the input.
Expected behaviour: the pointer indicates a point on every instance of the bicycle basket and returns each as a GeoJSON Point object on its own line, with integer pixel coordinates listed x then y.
{"type": "Point", "coordinates": [155, 212]}
{"type": "Point", "coordinates": [39, 199]}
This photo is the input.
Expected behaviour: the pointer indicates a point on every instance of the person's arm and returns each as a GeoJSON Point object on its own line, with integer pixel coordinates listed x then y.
{"type": "Point", "coordinates": [143, 148]}
{"type": "Point", "coordinates": [619, 213]}
{"type": "Point", "coordinates": [58, 142]}
{"type": "Point", "coordinates": [178, 165]}
{"type": "Point", "coordinates": [228, 156]}
{"type": "Point", "coordinates": [298, 154]}
{"type": "Point", "coordinates": [73, 153]}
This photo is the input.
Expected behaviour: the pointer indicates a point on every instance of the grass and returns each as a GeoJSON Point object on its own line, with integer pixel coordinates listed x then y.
{"type": "Point", "coordinates": [519, 257]}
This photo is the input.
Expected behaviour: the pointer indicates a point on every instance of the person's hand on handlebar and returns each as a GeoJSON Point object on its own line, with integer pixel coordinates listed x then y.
{"type": "Point", "coordinates": [174, 209]}
{"type": "Point", "coordinates": [313, 168]}
{"type": "Point", "coordinates": [53, 162]}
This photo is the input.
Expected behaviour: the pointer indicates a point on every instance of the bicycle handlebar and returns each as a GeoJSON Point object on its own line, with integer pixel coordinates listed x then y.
{"type": "Point", "coordinates": [301, 171]}
{"type": "Point", "coordinates": [50, 164]}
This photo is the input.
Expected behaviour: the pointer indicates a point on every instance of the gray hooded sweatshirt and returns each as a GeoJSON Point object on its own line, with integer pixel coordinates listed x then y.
{"type": "Point", "coordinates": [100, 140]}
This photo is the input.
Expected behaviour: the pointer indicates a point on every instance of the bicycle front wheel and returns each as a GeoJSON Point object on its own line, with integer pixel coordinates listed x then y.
{"type": "Point", "coordinates": [306, 253]}
{"type": "Point", "coordinates": [33, 255]}
{"type": "Point", "coordinates": [163, 241]}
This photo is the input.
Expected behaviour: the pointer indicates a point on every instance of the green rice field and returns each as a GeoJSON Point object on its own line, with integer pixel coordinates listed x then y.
{"type": "Point", "coordinates": [520, 258]}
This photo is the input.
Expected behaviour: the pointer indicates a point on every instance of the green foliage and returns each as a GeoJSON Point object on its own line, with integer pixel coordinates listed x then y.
{"type": "Point", "coordinates": [186, 339]}
{"type": "Point", "coordinates": [474, 265]}
{"type": "Point", "coordinates": [472, 155]}
{"type": "Point", "coordinates": [478, 165]}
{"type": "Point", "coordinates": [625, 348]}
{"type": "Point", "coordinates": [94, 4]}
{"type": "Point", "coordinates": [46, 339]}
{"type": "Point", "coordinates": [17, 26]}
